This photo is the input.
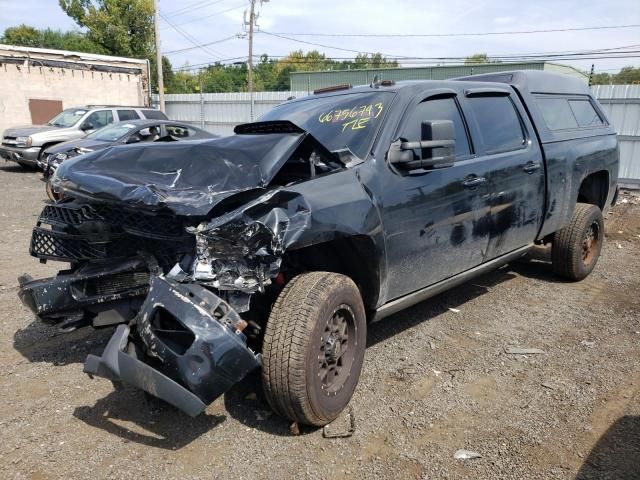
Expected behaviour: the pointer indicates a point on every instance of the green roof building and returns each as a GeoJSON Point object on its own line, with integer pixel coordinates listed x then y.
{"type": "Point", "coordinates": [309, 81]}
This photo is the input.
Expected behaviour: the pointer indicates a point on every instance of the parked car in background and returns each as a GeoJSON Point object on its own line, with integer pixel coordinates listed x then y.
{"type": "Point", "coordinates": [25, 145]}
{"type": "Point", "coordinates": [119, 133]}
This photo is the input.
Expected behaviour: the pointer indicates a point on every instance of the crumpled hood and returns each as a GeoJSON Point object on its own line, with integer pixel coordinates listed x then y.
{"type": "Point", "coordinates": [79, 143]}
{"type": "Point", "coordinates": [28, 130]}
{"type": "Point", "coordinates": [188, 177]}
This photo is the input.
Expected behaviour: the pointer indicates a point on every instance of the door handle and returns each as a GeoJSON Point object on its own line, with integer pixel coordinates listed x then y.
{"type": "Point", "coordinates": [473, 182]}
{"type": "Point", "coordinates": [531, 167]}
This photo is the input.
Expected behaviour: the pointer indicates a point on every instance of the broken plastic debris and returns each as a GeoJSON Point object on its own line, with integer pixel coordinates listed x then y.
{"type": "Point", "coordinates": [454, 310]}
{"type": "Point", "coordinates": [466, 455]}
{"type": "Point", "coordinates": [523, 351]}
{"type": "Point", "coordinates": [587, 343]}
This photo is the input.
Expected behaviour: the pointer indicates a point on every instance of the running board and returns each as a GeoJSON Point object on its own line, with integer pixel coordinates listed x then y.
{"type": "Point", "coordinates": [416, 297]}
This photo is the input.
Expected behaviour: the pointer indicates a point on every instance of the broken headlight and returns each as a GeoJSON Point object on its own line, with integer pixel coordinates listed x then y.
{"type": "Point", "coordinates": [57, 159]}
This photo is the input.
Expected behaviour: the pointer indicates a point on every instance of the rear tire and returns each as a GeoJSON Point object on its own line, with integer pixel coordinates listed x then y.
{"type": "Point", "coordinates": [576, 248]}
{"type": "Point", "coordinates": [314, 347]}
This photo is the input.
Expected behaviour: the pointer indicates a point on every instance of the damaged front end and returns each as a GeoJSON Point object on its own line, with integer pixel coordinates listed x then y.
{"type": "Point", "coordinates": [174, 242]}
{"type": "Point", "coordinates": [194, 339]}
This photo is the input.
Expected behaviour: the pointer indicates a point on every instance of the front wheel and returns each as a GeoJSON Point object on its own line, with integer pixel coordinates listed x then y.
{"type": "Point", "coordinates": [314, 347]}
{"type": "Point", "coordinates": [576, 248]}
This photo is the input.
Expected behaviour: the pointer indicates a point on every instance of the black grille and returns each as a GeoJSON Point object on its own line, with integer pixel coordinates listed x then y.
{"type": "Point", "coordinates": [55, 245]}
{"type": "Point", "coordinates": [66, 247]}
{"type": "Point", "coordinates": [148, 225]}
{"type": "Point", "coordinates": [117, 283]}
{"type": "Point", "coordinates": [62, 215]}
{"type": "Point", "coordinates": [137, 223]}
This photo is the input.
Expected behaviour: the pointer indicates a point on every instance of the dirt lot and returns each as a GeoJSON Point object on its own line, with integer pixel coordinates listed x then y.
{"type": "Point", "coordinates": [434, 381]}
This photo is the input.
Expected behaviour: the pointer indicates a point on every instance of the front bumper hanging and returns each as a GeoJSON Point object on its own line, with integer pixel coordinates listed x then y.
{"type": "Point", "coordinates": [193, 336]}
{"type": "Point", "coordinates": [86, 291]}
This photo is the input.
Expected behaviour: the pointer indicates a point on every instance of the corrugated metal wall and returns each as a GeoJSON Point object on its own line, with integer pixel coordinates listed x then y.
{"type": "Point", "coordinates": [621, 103]}
{"type": "Point", "coordinates": [220, 112]}
{"type": "Point", "coordinates": [309, 81]}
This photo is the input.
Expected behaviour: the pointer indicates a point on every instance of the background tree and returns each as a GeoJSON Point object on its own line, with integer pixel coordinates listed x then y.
{"type": "Point", "coordinates": [479, 58]}
{"type": "Point", "coordinates": [27, 36]}
{"type": "Point", "coordinates": [123, 27]}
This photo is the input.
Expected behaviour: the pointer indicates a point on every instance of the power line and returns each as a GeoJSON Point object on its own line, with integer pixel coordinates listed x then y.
{"type": "Point", "coordinates": [326, 46]}
{"type": "Point", "coordinates": [237, 7]}
{"type": "Point", "coordinates": [237, 35]}
{"type": "Point", "coordinates": [193, 6]}
{"type": "Point", "coordinates": [399, 57]}
{"type": "Point", "coordinates": [189, 38]}
{"type": "Point", "coordinates": [613, 52]}
{"type": "Point", "coordinates": [414, 60]}
{"type": "Point", "coordinates": [461, 34]}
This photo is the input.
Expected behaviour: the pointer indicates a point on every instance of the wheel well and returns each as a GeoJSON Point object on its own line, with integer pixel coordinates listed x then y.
{"type": "Point", "coordinates": [45, 146]}
{"type": "Point", "coordinates": [594, 189]}
{"type": "Point", "coordinates": [354, 257]}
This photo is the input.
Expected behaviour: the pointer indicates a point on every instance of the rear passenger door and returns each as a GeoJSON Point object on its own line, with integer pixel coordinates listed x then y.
{"type": "Point", "coordinates": [97, 119]}
{"type": "Point", "coordinates": [508, 144]}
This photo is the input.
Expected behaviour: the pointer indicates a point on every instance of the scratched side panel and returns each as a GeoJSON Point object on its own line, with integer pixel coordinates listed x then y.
{"type": "Point", "coordinates": [568, 163]}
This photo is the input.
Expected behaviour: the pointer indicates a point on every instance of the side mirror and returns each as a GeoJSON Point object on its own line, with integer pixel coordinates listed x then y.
{"type": "Point", "coordinates": [145, 132]}
{"type": "Point", "coordinates": [135, 138]}
{"type": "Point", "coordinates": [86, 128]}
{"type": "Point", "coordinates": [436, 149]}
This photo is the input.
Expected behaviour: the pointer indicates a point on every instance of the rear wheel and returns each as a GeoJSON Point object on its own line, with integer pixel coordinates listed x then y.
{"type": "Point", "coordinates": [576, 248]}
{"type": "Point", "coordinates": [314, 347]}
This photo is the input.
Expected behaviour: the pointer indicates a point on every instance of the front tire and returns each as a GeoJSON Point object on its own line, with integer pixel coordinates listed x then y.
{"type": "Point", "coordinates": [576, 248]}
{"type": "Point", "coordinates": [314, 347]}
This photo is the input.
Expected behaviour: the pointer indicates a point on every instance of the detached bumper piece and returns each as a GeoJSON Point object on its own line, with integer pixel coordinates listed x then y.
{"type": "Point", "coordinates": [193, 335]}
{"type": "Point", "coordinates": [86, 291]}
{"type": "Point", "coordinates": [119, 366]}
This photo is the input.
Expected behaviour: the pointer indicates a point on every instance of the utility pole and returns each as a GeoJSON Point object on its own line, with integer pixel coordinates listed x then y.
{"type": "Point", "coordinates": [252, 14]}
{"type": "Point", "coordinates": [156, 22]}
{"type": "Point", "coordinates": [591, 74]}
{"type": "Point", "coordinates": [253, 17]}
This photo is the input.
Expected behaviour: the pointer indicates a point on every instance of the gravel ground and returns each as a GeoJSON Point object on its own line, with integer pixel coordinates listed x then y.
{"type": "Point", "coordinates": [434, 381]}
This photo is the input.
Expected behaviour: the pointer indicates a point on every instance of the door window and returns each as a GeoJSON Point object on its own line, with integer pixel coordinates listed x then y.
{"type": "Point", "coordinates": [180, 131]}
{"type": "Point", "coordinates": [99, 119]}
{"type": "Point", "coordinates": [127, 115]}
{"type": "Point", "coordinates": [499, 123]}
{"type": "Point", "coordinates": [438, 109]}
{"type": "Point", "coordinates": [154, 114]}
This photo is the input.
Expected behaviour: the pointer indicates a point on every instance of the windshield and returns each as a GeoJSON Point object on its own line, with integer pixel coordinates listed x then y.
{"type": "Point", "coordinates": [111, 133]}
{"type": "Point", "coordinates": [67, 118]}
{"type": "Point", "coordinates": [339, 121]}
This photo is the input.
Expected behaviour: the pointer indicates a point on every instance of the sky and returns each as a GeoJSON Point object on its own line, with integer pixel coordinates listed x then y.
{"type": "Point", "coordinates": [205, 21]}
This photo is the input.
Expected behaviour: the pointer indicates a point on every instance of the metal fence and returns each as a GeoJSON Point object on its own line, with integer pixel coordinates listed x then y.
{"type": "Point", "coordinates": [220, 112]}
{"type": "Point", "coordinates": [622, 105]}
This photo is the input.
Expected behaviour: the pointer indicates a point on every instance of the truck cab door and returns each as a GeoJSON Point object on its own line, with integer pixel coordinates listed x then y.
{"type": "Point", "coordinates": [434, 220]}
{"type": "Point", "coordinates": [507, 142]}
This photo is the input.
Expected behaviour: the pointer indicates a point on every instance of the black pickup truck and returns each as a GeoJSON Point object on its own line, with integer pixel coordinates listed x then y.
{"type": "Point", "coordinates": [276, 246]}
